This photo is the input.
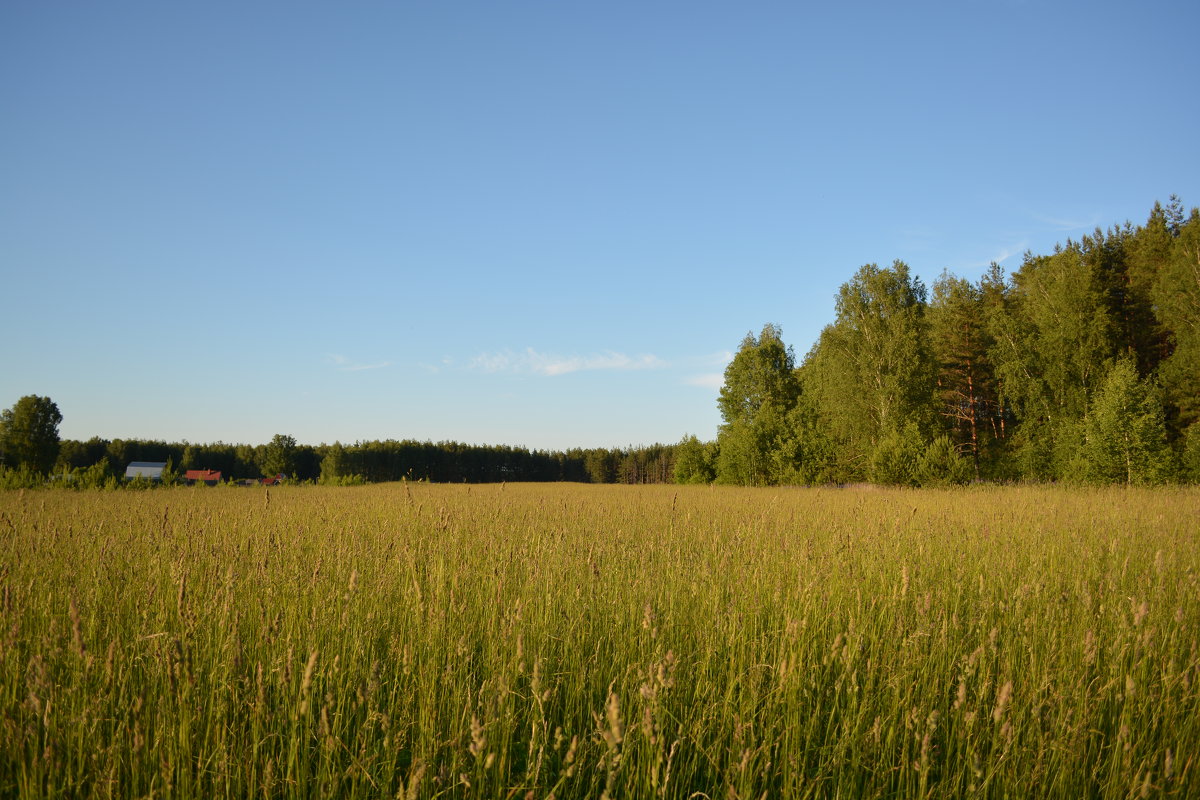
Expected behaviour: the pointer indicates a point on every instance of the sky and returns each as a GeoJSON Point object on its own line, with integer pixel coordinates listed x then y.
{"type": "Point", "coordinates": [541, 224]}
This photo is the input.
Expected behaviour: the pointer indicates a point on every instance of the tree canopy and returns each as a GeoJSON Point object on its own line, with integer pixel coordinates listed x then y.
{"type": "Point", "coordinates": [760, 391]}
{"type": "Point", "coordinates": [29, 434]}
{"type": "Point", "coordinates": [1083, 365]}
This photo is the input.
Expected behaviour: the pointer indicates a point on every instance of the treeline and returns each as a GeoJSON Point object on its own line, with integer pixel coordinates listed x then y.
{"type": "Point", "coordinates": [450, 462]}
{"type": "Point", "coordinates": [102, 460]}
{"type": "Point", "coordinates": [1083, 365]}
{"type": "Point", "coordinates": [31, 453]}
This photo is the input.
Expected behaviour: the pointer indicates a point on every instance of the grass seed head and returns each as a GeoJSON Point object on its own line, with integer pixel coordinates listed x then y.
{"type": "Point", "coordinates": [478, 737]}
{"type": "Point", "coordinates": [1002, 700]}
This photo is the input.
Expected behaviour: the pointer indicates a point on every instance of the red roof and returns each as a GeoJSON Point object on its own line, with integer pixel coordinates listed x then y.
{"type": "Point", "coordinates": [203, 475]}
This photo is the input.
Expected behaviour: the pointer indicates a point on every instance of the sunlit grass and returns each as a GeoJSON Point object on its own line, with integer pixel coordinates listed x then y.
{"type": "Point", "coordinates": [575, 641]}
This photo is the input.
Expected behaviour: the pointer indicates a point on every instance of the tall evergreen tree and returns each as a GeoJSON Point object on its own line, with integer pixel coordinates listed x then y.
{"type": "Point", "coordinates": [960, 342]}
{"type": "Point", "coordinates": [1052, 347]}
{"type": "Point", "coordinates": [1148, 250]}
{"type": "Point", "coordinates": [1176, 296]}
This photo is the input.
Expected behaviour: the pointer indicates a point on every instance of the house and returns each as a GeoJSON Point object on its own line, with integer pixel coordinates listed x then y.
{"type": "Point", "coordinates": [210, 477]}
{"type": "Point", "coordinates": [151, 470]}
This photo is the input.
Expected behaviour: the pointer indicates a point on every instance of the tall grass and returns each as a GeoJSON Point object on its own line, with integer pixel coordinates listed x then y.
{"type": "Point", "coordinates": [588, 641]}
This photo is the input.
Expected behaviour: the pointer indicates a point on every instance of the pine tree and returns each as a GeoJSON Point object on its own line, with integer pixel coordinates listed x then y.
{"type": "Point", "coordinates": [1176, 295]}
{"type": "Point", "coordinates": [960, 341]}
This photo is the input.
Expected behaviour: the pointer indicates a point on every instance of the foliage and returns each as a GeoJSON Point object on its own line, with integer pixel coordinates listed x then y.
{"type": "Point", "coordinates": [695, 461]}
{"type": "Point", "coordinates": [342, 480]}
{"type": "Point", "coordinates": [1126, 432]}
{"type": "Point", "coordinates": [941, 464]}
{"type": "Point", "coordinates": [872, 371]}
{"type": "Point", "coordinates": [1189, 456]}
{"type": "Point", "coordinates": [1083, 365]}
{"type": "Point", "coordinates": [96, 476]}
{"type": "Point", "coordinates": [170, 475]}
{"type": "Point", "coordinates": [896, 457]}
{"type": "Point", "coordinates": [20, 478]}
{"type": "Point", "coordinates": [380, 461]}
{"type": "Point", "coordinates": [333, 465]}
{"type": "Point", "coordinates": [29, 434]}
{"type": "Point", "coordinates": [761, 388]}
{"type": "Point", "coordinates": [278, 457]}
{"type": "Point", "coordinates": [1176, 296]}
{"type": "Point", "coordinates": [966, 392]}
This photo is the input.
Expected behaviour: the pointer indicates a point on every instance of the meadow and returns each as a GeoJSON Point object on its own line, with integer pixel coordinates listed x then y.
{"type": "Point", "coordinates": [568, 641]}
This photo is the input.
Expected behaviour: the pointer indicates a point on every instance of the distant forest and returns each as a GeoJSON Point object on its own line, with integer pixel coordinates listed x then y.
{"type": "Point", "coordinates": [377, 461]}
{"type": "Point", "coordinates": [1081, 366]}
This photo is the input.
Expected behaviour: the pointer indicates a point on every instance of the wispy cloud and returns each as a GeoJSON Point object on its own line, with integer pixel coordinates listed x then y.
{"type": "Point", "coordinates": [708, 380]}
{"type": "Point", "coordinates": [721, 358]}
{"type": "Point", "coordinates": [531, 361]}
{"type": "Point", "coordinates": [1004, 253]}
{"type": "Point", "coordinates": [1064, 225]}
{"type": "Point", "coordinates": [1008, 252]}
{"type": "Point", "coordinates": [446, 363]}
{"type": "Point", "coordinates": [343, 364]}
{"type": "Point", "coordinates": [711, 378]}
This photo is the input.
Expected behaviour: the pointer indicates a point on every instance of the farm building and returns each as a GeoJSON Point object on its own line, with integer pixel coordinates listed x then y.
{"type": "Point", "coordinates": [151, 470]}
{"type": "Point", "coordinates": [272, 481]}
{"type": "Point", "coordinates": [210, 477]}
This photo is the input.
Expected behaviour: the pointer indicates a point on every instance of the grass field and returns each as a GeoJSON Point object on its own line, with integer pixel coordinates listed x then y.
{"type": "Point", "coordinates": [420, 641]}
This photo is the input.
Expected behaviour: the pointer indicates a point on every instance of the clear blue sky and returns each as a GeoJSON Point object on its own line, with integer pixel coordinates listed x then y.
{"type": "Point", "coordinates": [532, 223]}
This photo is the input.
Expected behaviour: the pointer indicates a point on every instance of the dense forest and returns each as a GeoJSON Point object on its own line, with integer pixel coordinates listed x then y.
{"type": "Point", "coordinates": [1082, 366]}
{"type": "Point", "coordinates": [101, 462]}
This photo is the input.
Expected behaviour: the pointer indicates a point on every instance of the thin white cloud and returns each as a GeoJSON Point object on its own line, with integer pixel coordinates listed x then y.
{"type": "Point", "coordinates": [531, 361]}
{"type": "Point", "coordinates": [721, 358]}
{"type": "Point", "coordinates": [1066, 224]}
{"type": "Point", "coordinates": [709, 380]}
{"type": "Point", "coordinates": [343, 364]}
{"type": "Point", "coordinates": [1008, 252]}
{"type": "Point", "coordinates": [1003, 254]}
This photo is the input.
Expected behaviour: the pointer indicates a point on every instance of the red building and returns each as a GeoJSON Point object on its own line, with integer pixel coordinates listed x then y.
{"type": "Point", "coordinates": [210, 477]}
